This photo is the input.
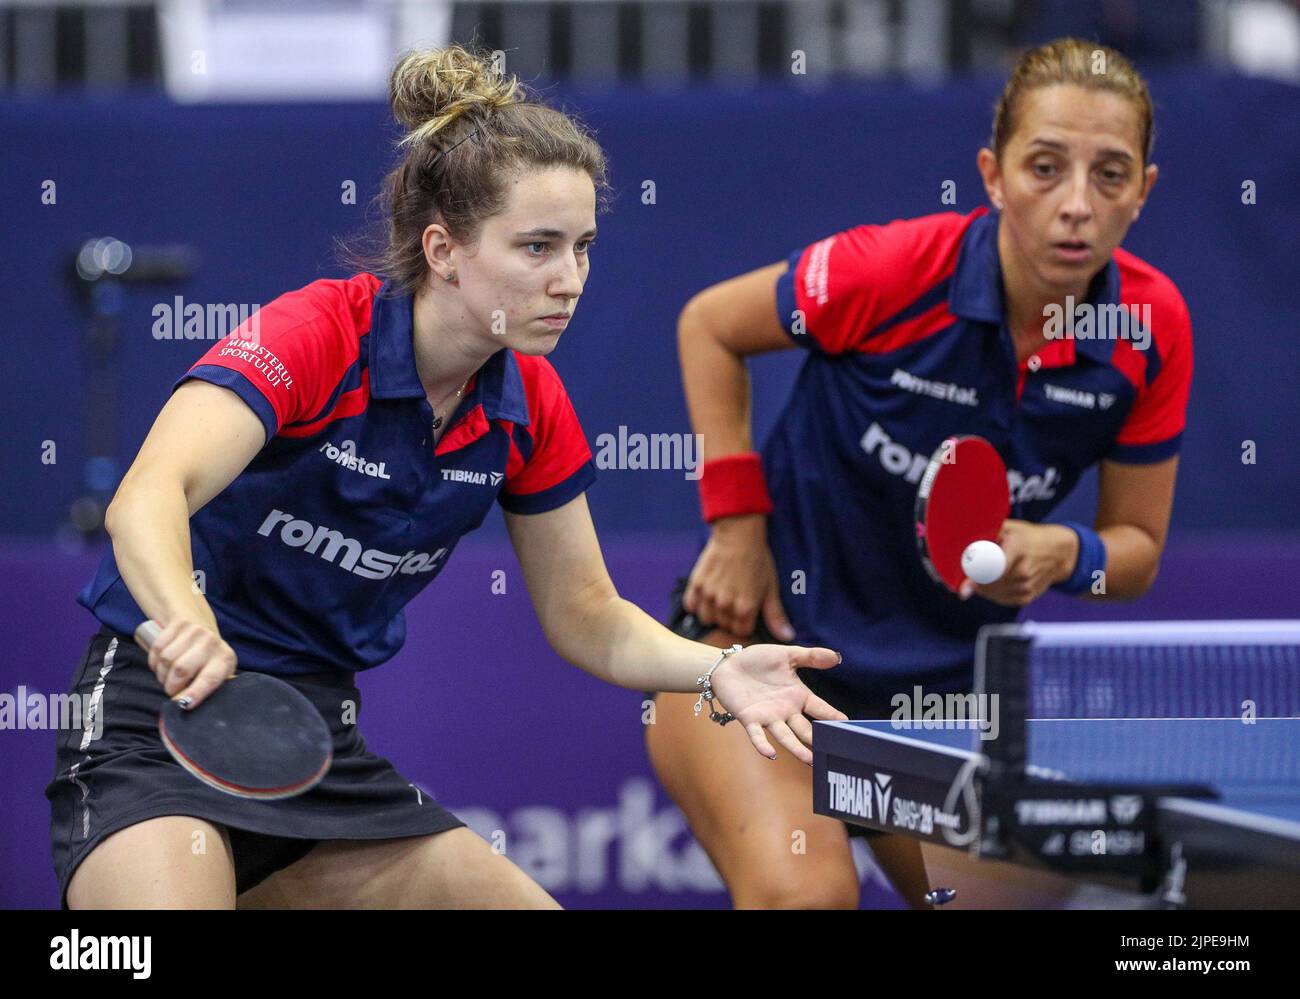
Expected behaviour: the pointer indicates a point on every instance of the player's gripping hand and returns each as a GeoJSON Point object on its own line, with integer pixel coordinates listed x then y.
{"type": "Point", "coordinates": [191, 660]}
{"type": "Point", "coordinates": [734, 578]}
{"type": "Point", "coordinates": [1038, 555]}
{"type": "Point", "coordinates": [760, 687]}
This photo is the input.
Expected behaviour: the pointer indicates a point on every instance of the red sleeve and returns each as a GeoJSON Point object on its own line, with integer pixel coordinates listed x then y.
{"type": "Point", "coordinates": [839, 291]}
{"type": "Point", "coordinates": [1154, 427]}
{"type": "Point", "coordinates": [550, 462]}
{"type": "Point", "coordinates": [288, 358]}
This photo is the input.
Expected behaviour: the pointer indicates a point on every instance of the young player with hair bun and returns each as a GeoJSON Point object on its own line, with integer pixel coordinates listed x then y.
{"type": "Point", "coordinates": [429, 365]}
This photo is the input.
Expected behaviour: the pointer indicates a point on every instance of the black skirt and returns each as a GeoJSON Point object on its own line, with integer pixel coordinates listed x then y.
{"type": "Point", "coordinates": [113, 771]}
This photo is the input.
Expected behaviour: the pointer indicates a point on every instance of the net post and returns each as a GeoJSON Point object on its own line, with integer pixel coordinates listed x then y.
{"type": "Point", "coordinates": [1002, 670]}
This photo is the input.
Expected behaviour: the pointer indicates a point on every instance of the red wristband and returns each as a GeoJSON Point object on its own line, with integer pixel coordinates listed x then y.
{"type": "Point", "coordinates": [733, 486]}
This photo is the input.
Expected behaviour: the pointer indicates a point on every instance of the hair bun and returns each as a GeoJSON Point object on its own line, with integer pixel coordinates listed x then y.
{"type": "Point", "coordinates": [432, 88]}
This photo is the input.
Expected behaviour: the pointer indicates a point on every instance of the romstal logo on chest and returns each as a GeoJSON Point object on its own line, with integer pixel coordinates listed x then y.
{"type": "Point", "coordinates": [346, 455]}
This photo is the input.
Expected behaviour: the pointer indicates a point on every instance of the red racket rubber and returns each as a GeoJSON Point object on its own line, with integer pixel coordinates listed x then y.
{"type": "Point", "coordinates": [963, 497]}
{"type": "Point", "coordinates": [255, 736]}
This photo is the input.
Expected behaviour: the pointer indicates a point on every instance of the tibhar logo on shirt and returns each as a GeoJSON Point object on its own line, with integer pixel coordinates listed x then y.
{"type": "Point", "coordinates": [1079, 397]}
{"type": "Point", "coordinates": [895, 459]}
{"type": "Point", "coordinates": [370, 563]}
{"type": "Point", "coordinates": [476, 478]}
{"type": "Point", "coordinates": [346, 455]}
{"type": "Point", "coordinates": [947, 391]}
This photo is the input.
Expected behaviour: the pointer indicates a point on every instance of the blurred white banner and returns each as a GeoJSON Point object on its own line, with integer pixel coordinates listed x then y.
{"type": "Point", "coordinates": [243, 51]}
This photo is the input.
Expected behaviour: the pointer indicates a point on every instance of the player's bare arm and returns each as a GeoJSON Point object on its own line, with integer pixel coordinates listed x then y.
{"type": "Point", "coordinates": [1134, 503]}
{"type": "Point", "coordinates": [202, 439]}
{"type": "Point", "coordinates": [591, 626]}
{"type": "Point", "coordinates": [734, 578]}
{"type": "Point", "coordinates": [1133, 508]}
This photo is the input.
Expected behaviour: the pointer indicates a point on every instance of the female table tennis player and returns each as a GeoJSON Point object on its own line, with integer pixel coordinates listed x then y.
{"type": "Point", "coordinates": [317, 468]}
{"type": "Point", "coordinates": [916, 330]}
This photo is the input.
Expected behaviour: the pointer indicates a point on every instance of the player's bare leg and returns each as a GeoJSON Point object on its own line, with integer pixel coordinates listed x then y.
{"type": "Point", "coordinates": [754, 816]}
{"type": "Point", "coordinates": [451, 870]}
{"type": "Point", "coordinates": [747, 814]}
{"type": "Point", "coordinates": [171, 862]}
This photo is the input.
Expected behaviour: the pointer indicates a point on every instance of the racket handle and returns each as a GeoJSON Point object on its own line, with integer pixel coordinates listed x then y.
{"type": "Point", "coordinates": [147, 633]}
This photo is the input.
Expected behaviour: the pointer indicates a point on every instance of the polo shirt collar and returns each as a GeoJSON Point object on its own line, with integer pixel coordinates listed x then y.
{"type": "Point", "coordinates": [498, 385]}
{"type": "Point", "coordinates": [976, 289]}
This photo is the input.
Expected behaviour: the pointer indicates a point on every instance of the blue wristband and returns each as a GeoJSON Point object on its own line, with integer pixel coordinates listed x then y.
{"type": "Point", "coordinates": [1092, 558]}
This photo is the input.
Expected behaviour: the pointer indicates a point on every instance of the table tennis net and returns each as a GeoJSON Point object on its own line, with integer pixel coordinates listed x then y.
{"type": "Point", "coordinates": [1263, 756]}
{"type": "Point", "coordinates": [1222, 686]}
{"type": "Point", "coordinates": [1202, 670]}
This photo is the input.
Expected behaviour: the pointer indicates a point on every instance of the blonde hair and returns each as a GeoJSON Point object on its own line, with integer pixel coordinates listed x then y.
{"type": "Point", "coordinates": [1082, 64]}
{"type": "Point", "coordinates": [469, 129]}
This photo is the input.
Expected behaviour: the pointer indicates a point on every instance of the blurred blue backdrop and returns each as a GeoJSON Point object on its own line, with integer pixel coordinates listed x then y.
{"type": "Point", "coordinates": [503, 730]}
{"type": "Point", "coordinates": [740, 179]}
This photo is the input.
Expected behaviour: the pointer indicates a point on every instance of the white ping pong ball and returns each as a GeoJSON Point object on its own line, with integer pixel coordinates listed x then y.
{"type": "Point", "coordinates": [984, 561]}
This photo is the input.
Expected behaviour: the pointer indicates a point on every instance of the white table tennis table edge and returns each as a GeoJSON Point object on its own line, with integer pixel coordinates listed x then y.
{"type": "Point", "coordinates": [851, 726]}
{"type": "Point", "coordinates": [1233, 816]}
{"type": "Point", "coordinates": [1262, 631]}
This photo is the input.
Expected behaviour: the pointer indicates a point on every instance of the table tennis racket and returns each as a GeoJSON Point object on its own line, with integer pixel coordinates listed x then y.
{"type": "Point", "coordinates": [255, 736]}
{"type": "Point", "coordinates": [963, 497]}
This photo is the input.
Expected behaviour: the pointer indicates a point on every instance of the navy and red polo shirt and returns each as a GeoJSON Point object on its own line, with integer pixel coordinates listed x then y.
{"type": "Point", "coordinates": [308, 557]}
{"type": "Point", "coordinates": [907, 340]}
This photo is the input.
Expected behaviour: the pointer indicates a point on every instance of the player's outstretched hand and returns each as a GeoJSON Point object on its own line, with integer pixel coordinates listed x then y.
{"type": "Point", "coordinates": [760, 687]}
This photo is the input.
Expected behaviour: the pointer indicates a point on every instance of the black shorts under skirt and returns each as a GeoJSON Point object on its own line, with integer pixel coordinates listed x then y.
{"type": "Point", "coordinates": [107, 781]}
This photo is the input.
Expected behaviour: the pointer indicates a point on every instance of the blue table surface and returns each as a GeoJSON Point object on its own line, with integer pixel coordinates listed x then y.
{"type": "Point", "coordinates": [1255, 767]}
